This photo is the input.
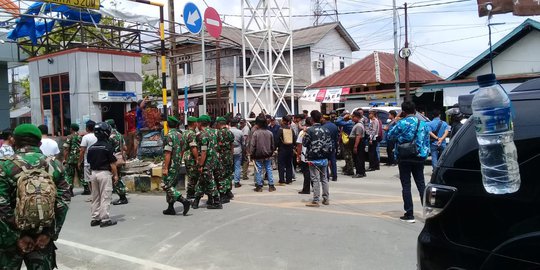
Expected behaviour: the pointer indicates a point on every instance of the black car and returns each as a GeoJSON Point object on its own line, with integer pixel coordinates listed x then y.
{"type": "Point", "coordinates": [468, 228]}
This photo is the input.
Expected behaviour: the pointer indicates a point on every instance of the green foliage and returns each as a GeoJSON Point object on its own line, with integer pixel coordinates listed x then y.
{"type": "Point", "coordinates": [25, 83]}
{"type": "Point", "coordinates": [145, 59]}
{"type": "Point", "coordinates": [151, 85]}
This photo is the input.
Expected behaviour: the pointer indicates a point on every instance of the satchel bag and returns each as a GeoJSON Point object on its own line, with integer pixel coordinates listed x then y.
{"type": "Point", "coordinates": [409, 150]}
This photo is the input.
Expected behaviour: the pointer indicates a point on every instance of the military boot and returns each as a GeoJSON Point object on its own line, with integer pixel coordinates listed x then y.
{"type": "Point", "coordinates": [195, 203]}
{"type": "Point", "coordinates": [86, 191]}
{"type": "Point", "coordinates": [190, 195]}
{"type": "Point", "coordinates": [224, 198]}
{"type": "Point", "coordinates": [123, 200]}
{"type": "Point", "coordinates": [170, 210]}
{"type": "Point", "coordinates": [230, 195]}
{"type": "Point", "coordinates": [71, 191]}
{"type": "Point", "coordinates": [216, 204]}
{"type": "Point", "coordinates": [185, 203]}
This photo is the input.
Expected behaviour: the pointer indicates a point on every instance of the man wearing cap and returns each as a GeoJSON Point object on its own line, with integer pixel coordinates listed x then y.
{"type": "Point", "coordinates": [33, 246]}
{"type": "Point", "coordinates": [171, 167]}
{"type": "Point", "coordinates": [119, 148]}
{"type": "Point", "coordinates": [224, 170]}
{"type": "Point", "coordinates": [206, 164]}
{"type": "Point", "coordinates": [72, 151]}
{"type": "Point", "coordinates": [87, 140]}
{"type": "Point", "coordinates": [191, 155]}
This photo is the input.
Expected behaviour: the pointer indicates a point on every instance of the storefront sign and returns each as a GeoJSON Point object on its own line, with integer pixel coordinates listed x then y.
{"type": "Point", "coordinates": [330, 95]}
{"type": "Point", "coordinates": [113, 96]}
{"type": "Point", "coordinates": [92, 4]}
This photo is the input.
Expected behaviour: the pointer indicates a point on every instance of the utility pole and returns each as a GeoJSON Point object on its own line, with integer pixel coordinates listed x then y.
{"type": "Point", "coordinates": [173, 66]}
{"type": "Point", "coordinates": [218, 78]}
{"type": "Point", "coordinates": [396, 54]}
{"type": "Point", "coordinates": [407, 54]}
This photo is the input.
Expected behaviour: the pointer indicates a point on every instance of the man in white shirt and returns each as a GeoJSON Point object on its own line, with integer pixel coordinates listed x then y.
{"type": "Point", "coordinates": [87, 140]}
{"type": "Point", "coordinates": [244, 127]}
{"type": "Point", "coordinates": [48, 147]}
{"type": "Point", "coordinates": [301, 157]}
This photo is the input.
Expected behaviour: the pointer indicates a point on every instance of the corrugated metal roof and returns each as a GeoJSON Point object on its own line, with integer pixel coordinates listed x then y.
{"type": "Point", "coordinates": [365, 72]}
{"type": "Point", "coordinates": [302, 37]}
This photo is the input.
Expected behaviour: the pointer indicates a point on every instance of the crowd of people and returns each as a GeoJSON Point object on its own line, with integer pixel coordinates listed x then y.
{"type": "Point", "coordinates": [215, 154]}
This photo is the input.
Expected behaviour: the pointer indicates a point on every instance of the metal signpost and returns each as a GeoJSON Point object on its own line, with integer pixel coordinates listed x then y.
{"type": "Point", "coordinates": [193, 22]}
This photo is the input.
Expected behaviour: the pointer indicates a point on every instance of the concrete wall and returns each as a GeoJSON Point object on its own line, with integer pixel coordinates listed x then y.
{"type": "Point", "coordinates": [83, 68]}
{"type": "Point", "coordinates": [4, 96]}
{"type": "Point", "coordinates": [522, 57]}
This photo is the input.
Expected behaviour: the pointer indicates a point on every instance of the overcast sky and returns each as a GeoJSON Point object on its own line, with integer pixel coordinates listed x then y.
{"type": "Point", "coordinates": [443, 37]}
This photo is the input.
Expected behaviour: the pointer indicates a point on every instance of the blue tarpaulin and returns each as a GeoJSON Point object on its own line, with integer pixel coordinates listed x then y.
{"type": "Point", "coordinates": [27, 26]}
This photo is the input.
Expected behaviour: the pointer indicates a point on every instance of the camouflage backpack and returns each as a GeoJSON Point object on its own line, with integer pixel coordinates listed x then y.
{"type": "Point", "coordinates": [36, 198]}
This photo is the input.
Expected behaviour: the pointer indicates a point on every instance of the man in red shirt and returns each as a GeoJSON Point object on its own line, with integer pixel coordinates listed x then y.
{"type": "Point", "coordinates": [131, 131]}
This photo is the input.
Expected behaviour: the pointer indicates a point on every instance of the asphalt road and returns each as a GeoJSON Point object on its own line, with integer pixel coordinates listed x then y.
{"type": "Point", "coordinates": [359, 230]}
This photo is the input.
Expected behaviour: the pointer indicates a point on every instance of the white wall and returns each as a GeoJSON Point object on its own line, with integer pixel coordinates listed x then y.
{"type": "Point", "coordinates": [332, 46]}
{"type": "Point", "coordinates": [522, 57]}
{"type": "Point", "coordinates": [83, 68]}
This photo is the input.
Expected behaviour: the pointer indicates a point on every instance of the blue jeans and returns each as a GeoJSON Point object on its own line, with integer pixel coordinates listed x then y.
{"type": "Point", "coordinates": [435, 152]}
{"type": "Point", "coordinates": [237, 167]}
{"type": "Point", "coordinates": [265, 164]}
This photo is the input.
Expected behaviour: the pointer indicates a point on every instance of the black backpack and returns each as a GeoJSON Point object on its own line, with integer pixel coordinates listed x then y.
{"type": "Point", "coordinates": [321, 146]}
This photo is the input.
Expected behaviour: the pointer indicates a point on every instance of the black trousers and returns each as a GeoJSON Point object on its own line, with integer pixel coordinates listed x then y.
{"type": "Point", "coordinates": [373, 157]}
{"type": "Point", "coordinates": [360, 158]}
{"type": "Point", "coordinates": [307, 176]}
{"type": "Point", "coordinates": [390, 145]}
{"type": "Point", "coordinates": [285, 166]}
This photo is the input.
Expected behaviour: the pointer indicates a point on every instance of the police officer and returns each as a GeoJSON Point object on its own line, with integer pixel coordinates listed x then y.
{"type": "Point", "coordinates": [35, 246]}
{"type": "Point", "coordinates": [225, 169]}
{"type": "Point", "coordinates": [72, 151]}
{"type": "Point", "coordinates": [172, 151]}
{"type": "Point", "coordinates": [191, 155]}
{"type": "Point", "coordinates": [119, 148]}
{"type": "Point", "coordinates": [104, 175]}
{"type": "Point", "coordinates": [206, 164]}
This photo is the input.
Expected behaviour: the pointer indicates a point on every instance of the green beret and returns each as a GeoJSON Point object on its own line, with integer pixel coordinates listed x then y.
{"type": "Point", "coordinates": [172, 119]}
{"type": "Point", "coordinates": [74, 126]}
{"type": "Point", "coordinates": [221, 119]}
{"type": "Point", "coordinates": [110, 121]}
{"type": "Point", "coordinates": [205, 118]}
{"type": "Point", "coordinates": [192, 119]}
{"type": "Point", "coordinates": [27, 130]}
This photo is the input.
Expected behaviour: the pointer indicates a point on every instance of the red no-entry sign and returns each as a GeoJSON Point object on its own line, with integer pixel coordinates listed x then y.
{"type": "Point", "coordinates": [212, 22]}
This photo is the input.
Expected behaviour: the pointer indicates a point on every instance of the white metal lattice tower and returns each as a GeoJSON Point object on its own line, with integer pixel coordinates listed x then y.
{"type": "Point", "coordinates": [267, 41]}
{"type": "Point", "coordinates": [324, 11]}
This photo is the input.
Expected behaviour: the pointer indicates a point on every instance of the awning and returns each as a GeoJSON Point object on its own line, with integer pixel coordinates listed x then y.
{"type": "Point", "coordinates": [121, 76]}
{"type": "Point", "coordinates": [329, 95]}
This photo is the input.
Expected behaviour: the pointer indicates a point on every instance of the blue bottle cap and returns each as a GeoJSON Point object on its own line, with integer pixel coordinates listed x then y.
{"type": "Point", "coordinates": [486, 80]}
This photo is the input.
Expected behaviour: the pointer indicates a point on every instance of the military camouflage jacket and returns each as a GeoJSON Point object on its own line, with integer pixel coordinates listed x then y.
{"type": "Point", "coordinates": [173, 144]}
{"type": "Point", "coordinates": [207, 141]}
{"type": "Point", "coordinates": [73, 144]}
{"type": "Point", "coordinates": [225, 141]}
{"type": "Point", "coordinates": [189, 139]}
{"type": "Point", "coordinates": [117, 141]}
{"type": "Point", "coordinates": [31, 157]}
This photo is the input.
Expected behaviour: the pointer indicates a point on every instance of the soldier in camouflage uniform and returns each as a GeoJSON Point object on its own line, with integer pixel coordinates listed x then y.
{"type": "Point", "coordinates": [72, 150]}
{"type": "Point", "coordinates": [191, 155]}
{"type": "Point", "coordinates": [224, 172]}
{"type": "Point", "coordinates": [208, 159]}
{"type": "Point", "coordinates": [35, 247]}
{"type": "Point", "coordinates": [119, 148]}
{"type": "Point", "coordinates": [172, 162]}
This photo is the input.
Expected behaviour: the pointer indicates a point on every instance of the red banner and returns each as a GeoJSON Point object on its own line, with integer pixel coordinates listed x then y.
{"type": "Point", "coordinates": [321, 95]}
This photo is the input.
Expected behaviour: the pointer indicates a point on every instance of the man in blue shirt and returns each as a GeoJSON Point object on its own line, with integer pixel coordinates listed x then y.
{"type": "Point", "coordinates": [406, 130]}
{"type": "Point", "coordinates": [334, 135]}
{"type": "Point", "coordinates": [439, 130]}
{"type": "Point", "coordinates": [139, 113]}
{"type": "Point", "coordinates": [345, 124]}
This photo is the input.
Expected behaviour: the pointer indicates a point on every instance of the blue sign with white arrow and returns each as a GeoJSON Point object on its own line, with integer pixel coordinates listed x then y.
{"type": "Point", "coordinates": [192, 18]}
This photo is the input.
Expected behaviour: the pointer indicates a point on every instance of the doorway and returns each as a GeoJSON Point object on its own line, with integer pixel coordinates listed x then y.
{"type": "Point", "coordinates": [116, 111]}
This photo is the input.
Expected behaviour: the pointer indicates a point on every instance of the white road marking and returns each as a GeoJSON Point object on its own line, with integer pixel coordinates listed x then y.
{"type": "Point", "coordinates": [213, 22]}
{"type": "Point", "coordinates": [112, 254]}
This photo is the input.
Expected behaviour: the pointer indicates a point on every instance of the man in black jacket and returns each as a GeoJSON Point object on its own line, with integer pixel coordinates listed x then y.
{"type": "Point", "coordinates": [261, 149]}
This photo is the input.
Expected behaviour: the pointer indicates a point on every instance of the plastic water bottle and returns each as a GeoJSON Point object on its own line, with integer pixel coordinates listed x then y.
{"type": "Point", "coordinates": [492, 114]}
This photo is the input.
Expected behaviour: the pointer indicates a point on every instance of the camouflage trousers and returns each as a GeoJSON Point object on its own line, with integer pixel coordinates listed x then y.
{"type": "Point", "coordinates": [223, 175]}
{"type": "Point", "coordinates": [70, 171]}
{"type": "Point", "coordinates": [348, 155]}
{"type": "Point", "coordinates": [45, 259]}
{"type": "Point", "coordinates": [206, 184]}
{"type": "Point", "coordinates": [193, 177]}
{"type": "Point", "coordinates": [169, 183]}
{"type": "Point", "coordinates": [120, 188]}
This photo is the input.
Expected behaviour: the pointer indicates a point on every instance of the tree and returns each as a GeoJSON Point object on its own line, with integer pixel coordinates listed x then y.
{"type": "Point", "coordinates": [25, 83]}
{"type": "Point", "coordinates": [151, 85]}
